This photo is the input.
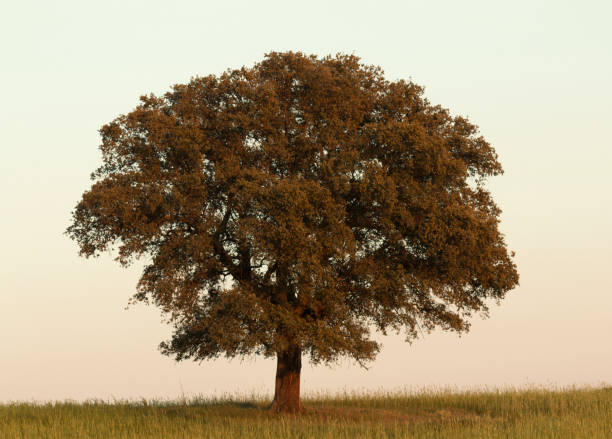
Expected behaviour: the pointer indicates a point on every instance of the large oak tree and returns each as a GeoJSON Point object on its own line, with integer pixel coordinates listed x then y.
{"type": "Point", "coordinates": [295, 207]}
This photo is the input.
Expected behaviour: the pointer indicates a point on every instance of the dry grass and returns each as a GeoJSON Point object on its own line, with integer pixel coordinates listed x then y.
{"type": "Point", "coordinates": [533, 413]}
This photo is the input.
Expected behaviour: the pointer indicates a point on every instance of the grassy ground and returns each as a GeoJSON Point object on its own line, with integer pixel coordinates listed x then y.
{"type": "Point", "coordinates": [535, 413]}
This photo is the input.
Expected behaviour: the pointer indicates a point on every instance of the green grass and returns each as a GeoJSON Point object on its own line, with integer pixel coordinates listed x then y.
{"type": "Point", "coordinates": [533, 413]}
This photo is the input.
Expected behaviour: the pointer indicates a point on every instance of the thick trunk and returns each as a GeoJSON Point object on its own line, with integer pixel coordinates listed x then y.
{"type": "Point", "coordinates": [287, 386]}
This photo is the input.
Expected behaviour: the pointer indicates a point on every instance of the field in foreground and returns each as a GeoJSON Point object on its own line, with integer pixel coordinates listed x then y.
{"type": "Point", "coordinates": [534, 413]}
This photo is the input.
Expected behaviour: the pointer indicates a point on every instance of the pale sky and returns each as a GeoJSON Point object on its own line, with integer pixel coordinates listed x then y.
{"type": "Point", "coordinates": [533, 75]}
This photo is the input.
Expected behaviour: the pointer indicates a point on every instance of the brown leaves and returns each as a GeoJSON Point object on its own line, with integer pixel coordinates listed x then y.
{"type": "Point", "coordinates": [298, 202]}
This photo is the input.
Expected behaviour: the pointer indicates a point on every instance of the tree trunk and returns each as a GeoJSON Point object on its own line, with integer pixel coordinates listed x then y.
{"type": "Point", "coordinates": [287, 386]}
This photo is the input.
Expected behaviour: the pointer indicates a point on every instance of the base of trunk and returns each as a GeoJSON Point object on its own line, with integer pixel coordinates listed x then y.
{"type": "Point", "coordinates": [287, 385]}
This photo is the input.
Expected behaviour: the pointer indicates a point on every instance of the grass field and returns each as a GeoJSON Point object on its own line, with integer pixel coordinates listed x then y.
{"type": "Point", "coordinates": [534, 413]}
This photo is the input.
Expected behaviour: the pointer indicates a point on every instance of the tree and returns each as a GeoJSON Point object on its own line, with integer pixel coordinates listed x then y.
{"type": "Point", "coordinates": [292, 208]}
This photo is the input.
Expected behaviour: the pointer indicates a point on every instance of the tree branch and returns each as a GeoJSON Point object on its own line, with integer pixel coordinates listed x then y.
{"type": "Point", "coordinates": [226, 259]}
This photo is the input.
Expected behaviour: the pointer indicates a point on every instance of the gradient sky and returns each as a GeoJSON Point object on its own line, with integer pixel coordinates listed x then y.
{"type": "Point", "coordinates": [533, 75]}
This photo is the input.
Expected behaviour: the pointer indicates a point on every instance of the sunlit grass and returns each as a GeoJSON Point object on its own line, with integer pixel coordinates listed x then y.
{"type": "Point", "coordinates": [512, 413]}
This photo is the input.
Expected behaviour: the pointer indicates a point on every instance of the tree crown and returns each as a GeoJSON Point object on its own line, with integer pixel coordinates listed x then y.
{"type": "Point", "coordinates": [299, 202]}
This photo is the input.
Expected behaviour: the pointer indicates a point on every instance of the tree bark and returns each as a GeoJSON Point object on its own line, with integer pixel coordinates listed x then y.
{"type": "Point", "coordinates": [287, 386]}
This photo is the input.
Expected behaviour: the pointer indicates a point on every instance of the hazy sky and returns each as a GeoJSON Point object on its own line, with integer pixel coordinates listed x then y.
{"type": "Point", "coordinates": [534, 75]}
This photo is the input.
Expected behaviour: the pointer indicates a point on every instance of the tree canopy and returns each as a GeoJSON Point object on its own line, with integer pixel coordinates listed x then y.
{"type": "Point", "coordinates": [294, 207]}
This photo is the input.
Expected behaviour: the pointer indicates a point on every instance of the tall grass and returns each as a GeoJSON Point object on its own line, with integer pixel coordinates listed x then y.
{"type": "Point", "coordinates": [571, 413]}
